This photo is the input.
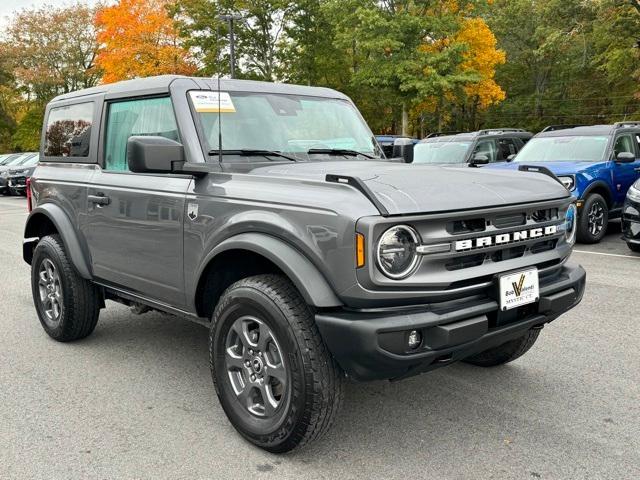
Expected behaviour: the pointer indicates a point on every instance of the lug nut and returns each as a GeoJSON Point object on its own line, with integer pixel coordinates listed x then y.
{"type": "Point", "coordinates": [253, 378]}
{"type": "Point", "coordinates": [247, 363]}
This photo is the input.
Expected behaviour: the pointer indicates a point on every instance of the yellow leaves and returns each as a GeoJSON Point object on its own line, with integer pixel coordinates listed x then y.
{"type": "Point", "coordinates": [482, 56]}
{"type": "Point", "coordinates": [138, 39]}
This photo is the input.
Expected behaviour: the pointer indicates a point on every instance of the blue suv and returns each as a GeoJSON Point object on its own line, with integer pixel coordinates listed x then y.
{"type": "Point", "coordinates": [597, 164]}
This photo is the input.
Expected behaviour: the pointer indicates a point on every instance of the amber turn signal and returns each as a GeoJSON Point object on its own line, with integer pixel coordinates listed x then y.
{"type": "Point", "coordinates": [359, 250]}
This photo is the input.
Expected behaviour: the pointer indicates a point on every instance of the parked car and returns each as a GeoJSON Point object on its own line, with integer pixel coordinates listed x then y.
{"type": "Point", "coordinates": [631, 217]}
{"type": "Point", "coordinates": [387, 143]}
{"type": "Point", "coordinates": [597, 164]}
{"type": "Point", "coordinates": [7, 157]}
{"type": "Point", "coordinates": [471, 148]}
{"type": "Point", "coordinates": [268, 213]}
{"type": "Point", "coordinates": [16, 177]}
{"type": "Point", "coordinates": [11, 162]}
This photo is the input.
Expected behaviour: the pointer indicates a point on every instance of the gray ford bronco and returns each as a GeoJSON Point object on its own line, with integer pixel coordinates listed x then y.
{"type": "Point", "coordinates": [268, 213]}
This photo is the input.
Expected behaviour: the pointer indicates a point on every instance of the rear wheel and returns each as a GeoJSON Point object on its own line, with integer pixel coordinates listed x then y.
{"type": "Point", "coordinates": [276, 380]}
{"type": "Point", "coordinates": [593, 220]}
{"type": "Point", "coordinates": [505, 353]}
{"type": "Point", "coordinates": [67, 305]}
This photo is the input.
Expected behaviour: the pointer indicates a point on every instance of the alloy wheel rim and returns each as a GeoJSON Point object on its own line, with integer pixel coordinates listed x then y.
{"type": "Point", "coordinates": [596, 218]}
{"type": "Point", "coordinates": [50, 292]}
{"type": "Point", "coordinates": [255, 366]}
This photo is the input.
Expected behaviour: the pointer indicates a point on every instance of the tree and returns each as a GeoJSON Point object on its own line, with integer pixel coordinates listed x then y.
{"type": "Point", "coordinates": [138, 39]}
{"type": "Point", "coordinates": [8, 99]}
{"type": "Point", "coordinates": [52, 50]}
{"type": "Point", "coordinates": [259, 34]}
{"type": "Point", "coordinates": [482, 57]}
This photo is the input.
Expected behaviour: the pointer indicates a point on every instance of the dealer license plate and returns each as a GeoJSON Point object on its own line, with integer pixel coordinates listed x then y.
{"type": "Point", "coordinates": [520, 288]}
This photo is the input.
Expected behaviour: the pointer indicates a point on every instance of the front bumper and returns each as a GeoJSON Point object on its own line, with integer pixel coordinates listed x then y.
{"type": "Point", "coordinates": [631, 222]}
{"type": "Point", "coordinates": [370, 345]}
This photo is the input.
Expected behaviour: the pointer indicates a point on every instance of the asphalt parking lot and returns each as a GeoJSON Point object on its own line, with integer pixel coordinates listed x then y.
{"type": "Point", "coordinates": [135, 400]}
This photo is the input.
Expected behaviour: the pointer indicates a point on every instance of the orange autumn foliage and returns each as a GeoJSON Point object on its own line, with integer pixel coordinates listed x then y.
{"type": "Point", "coordinates": [482, 57]}
{"type": "Point", "coordinates": [138, 39]}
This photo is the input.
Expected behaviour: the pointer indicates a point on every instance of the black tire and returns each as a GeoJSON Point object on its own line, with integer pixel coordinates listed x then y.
{"type": "Point", "coordinates": [313, 389]}
{"type": "Point", "coordinates": [78, 299]}
{"type": "Point", "coordinates": [505, 353]}
{"type": "Point", "coordinates": [593, 219]}
{"type": "Point", "coordinates": [634, 247]}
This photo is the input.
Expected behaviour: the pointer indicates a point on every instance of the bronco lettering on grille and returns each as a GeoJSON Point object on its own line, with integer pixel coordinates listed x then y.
{"type": "Point", "coordinates": [505, 238]}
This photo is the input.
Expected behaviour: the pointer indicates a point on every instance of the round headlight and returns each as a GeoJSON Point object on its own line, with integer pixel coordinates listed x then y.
{"type": "Point", "coordinates": [396, 252]}
{"type": "Point", "coordinates": [571, 223]}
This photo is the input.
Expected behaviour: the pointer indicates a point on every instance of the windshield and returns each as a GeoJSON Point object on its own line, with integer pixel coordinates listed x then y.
{"type": "Point", "coordinates": [30, 161]}
{"type": "Point", "coordinates": [289, 124]}
{"type": "Point", "coordinates": [14, 159]}
{"type": "Point", "coordinates": [441, 152]}
{"type": "Point", "coordinates": [576, 148]}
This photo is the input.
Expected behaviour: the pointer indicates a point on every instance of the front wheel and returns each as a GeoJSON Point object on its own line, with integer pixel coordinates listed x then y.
{"type": "Point", "coordinates": [505, 353]}
{"type": "Point", "coordinates": [634, 247]}
{"type": "Point", "coordinates": [593, 220]}
{"type": "Point", "coordinates": [276, 381]}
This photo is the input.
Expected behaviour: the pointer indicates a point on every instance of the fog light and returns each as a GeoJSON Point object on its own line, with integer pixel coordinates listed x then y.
{"type": "Point", "coordinates": [415, 339]}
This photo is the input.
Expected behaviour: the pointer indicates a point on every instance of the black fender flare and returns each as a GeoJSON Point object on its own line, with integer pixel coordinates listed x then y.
{"type": "Point", "coordinates": [56, 215]}
{"type": "Point", "coordinates": [311, 284]}
{"type": "Point", "coordinates": [598, 184]}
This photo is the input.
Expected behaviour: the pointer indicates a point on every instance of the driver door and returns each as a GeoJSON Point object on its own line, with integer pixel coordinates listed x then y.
{"type": "Point", "coordinates": [624, 174]}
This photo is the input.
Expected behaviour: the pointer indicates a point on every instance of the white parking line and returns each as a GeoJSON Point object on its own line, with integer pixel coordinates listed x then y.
{"type": "Point", "coordinates": [607, 254]}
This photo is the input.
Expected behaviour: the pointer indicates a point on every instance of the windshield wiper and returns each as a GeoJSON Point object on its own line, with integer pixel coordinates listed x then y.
{"type": "Point", "coordinates": [338, 151]}
{"type": "Point", "coordinates": [249, 152]}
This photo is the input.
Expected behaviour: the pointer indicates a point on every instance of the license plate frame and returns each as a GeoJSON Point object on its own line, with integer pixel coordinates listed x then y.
{"type": "Point", "coordinates": [519, 288]}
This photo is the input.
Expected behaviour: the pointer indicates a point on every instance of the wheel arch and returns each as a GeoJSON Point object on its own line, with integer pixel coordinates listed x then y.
{"type": "Point", "coordinates": [602, 189]}
{"type": "Point", "coordinates": [50, 219]}
{"type": "Point", "coordinates": [249, 254]}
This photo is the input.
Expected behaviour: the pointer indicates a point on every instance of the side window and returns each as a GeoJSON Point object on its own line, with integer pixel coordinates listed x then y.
{"type": "Point", "coordinates": [636, 137]}
{"type": "Point", "coordinates": [149, 116]}
{"type": "Point", "coordinates": [506, 147]}
{"type": "Point", "coordinates": [69, 130]}
{"type": "Point", "coordinates": [488, 148]}
{"type": "Point", "coordinates": [623, 144]}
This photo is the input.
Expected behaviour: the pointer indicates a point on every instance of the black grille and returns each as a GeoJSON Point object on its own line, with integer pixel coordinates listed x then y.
{"type": "Point", "coordinates": [466, 226]}
{"type": "Point", "coordinates": [467, 261]}
{"type": "Point", "coordinates": [544, 246]}
{"type": "Point", "coordinates": [512, 220]}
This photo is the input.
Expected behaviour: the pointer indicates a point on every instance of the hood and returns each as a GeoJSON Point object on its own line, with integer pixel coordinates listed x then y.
{"type": "Point", "coordinates": [405, 189]}
{"type": "Point", "coordinates": [558, 168]}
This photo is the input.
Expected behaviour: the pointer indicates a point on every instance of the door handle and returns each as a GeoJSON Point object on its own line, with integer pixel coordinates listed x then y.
{"type": "Point", "coordinates": [99, 199]}
{"type": "Point", "coordinates": [637, 169]}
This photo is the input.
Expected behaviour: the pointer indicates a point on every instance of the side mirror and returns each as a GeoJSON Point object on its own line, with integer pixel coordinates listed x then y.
{"type": "Point", "coordinates": [148, 154]}
{"type": "Point", "coordinates": [403, 147]}
{"type": "Point", "coordinates": [511, 157]}
{"type": "Point", "coordinates": [625, 157]}
{"type": "Point", "coordinates": [478, 159]}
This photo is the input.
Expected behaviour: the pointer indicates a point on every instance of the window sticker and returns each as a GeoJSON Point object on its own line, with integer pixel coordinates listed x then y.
{"type": "Point", "coordinates": [208, 102]}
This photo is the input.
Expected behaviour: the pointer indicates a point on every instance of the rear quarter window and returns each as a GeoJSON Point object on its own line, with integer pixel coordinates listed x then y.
{"type": "Point", "coordinates": [68, 130]}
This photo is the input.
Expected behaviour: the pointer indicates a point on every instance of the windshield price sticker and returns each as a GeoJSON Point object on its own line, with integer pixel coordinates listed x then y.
{"type": "Point", "coordinates": [519, 289]}
{"type": "Point", "coordinates": [208, 102]}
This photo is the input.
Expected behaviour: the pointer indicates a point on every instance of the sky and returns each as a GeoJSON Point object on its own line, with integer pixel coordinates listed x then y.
{"type": "Point", "coordinates": [7, 7]}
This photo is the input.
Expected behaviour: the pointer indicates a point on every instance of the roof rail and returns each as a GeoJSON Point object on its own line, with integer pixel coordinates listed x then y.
{"type": "Point", "coordinates": [442, 134]}
{"type": "Point", "coordinates": [488, 131]}
{"type": "Point", "coordinates": [553, 128]}
{"type": "Point", "coordinates": [627, 124]}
